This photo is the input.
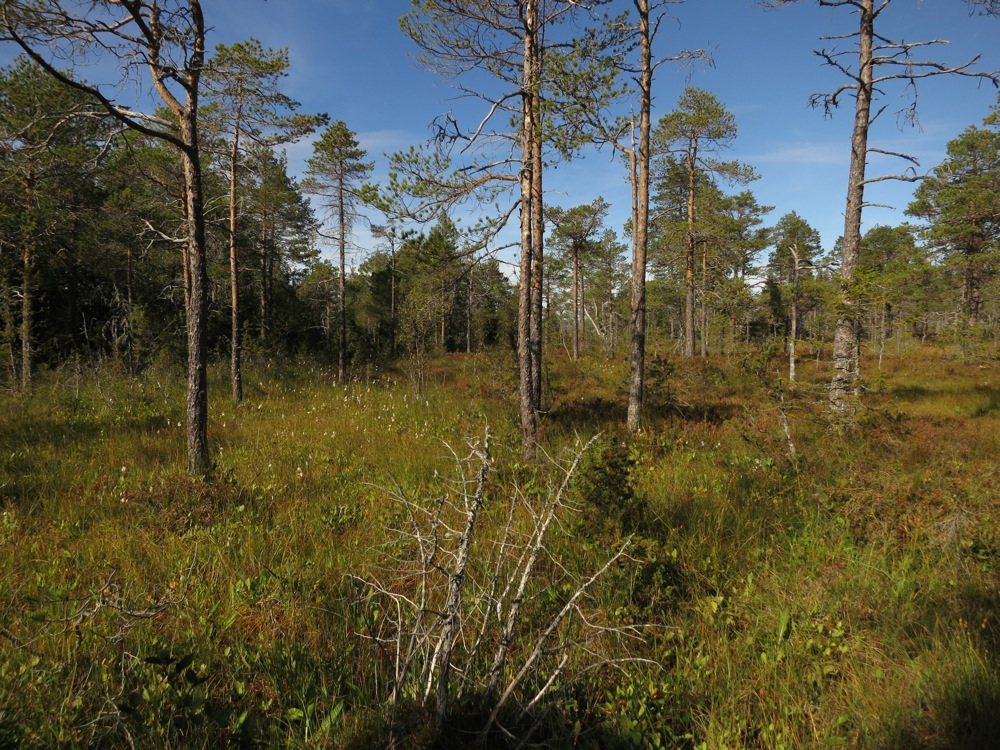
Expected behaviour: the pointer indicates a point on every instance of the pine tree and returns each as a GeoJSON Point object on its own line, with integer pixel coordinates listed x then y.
{"type": "Point", "coordinates": [693, 133]}
{"type": "Point", "coordinates": [243, 82]}
{"type": "Point", "coordinates": [961, 203]}
{"type": "Point", "coordinates": [335, 173]}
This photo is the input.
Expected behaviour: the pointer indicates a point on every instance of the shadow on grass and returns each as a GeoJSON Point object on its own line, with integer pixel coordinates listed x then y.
{"type": "Point", "coordinates": [963, 712]}
{"type": "Point", "coordinates": [546, 728]}
{"type": "Point", "coordinates": [597, 413]}
{"type": "Point", "coordinates": [28, 449]}
{"type": "Point", "coordinates": [976, 394]}
{"type": "Point", "coordinates": [708, 413]}
{"type": "Point", "coordinates": [992, 405]}
{"type": "Point", "coordinates": [912, 392]}
{"type": "Point", "coordinates": [593, 412]}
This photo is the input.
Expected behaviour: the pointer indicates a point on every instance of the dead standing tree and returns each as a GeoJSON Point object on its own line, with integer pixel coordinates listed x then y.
{"type": "Point", "coordinates": [880, 61]}
{"type": "Point", "coordinates": [166, 38]}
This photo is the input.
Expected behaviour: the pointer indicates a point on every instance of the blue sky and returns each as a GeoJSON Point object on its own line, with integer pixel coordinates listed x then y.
{"type": "Point", "coordinates": [349, 59]}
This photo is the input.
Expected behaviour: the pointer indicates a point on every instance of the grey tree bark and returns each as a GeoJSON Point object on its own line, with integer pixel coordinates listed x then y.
{"type": "Point", "coordinates": [691, 161]}
{"type": "Point", "coordinates": [847, 333]}
{"type": "Point", "coordinates": [529, 370]}
{"type": "Point", "coordinates": [236, 343]}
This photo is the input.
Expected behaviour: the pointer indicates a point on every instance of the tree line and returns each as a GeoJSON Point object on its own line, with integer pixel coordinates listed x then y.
{"type": "Point", "coordinates": [93, 262]}
{"type": "Point", "coordinates": [130, 233]}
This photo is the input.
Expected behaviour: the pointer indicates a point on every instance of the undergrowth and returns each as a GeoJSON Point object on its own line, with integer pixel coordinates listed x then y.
{"type": "Point", "coordinates": [846, 595]}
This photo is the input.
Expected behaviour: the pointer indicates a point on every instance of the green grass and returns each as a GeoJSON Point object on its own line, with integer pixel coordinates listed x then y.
{"type": "Point", "coordinates": [848, 596]}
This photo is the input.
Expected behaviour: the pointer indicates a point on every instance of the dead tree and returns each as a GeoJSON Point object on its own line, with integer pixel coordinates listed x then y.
{"type": "Point", "coordinates": [448, 615]}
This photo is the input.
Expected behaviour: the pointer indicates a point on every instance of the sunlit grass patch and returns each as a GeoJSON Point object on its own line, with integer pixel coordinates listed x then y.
{"type": "Point", "coordinates": [846, 594]}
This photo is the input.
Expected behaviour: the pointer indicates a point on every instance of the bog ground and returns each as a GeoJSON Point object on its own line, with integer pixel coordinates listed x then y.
{"type": "Point", "coordinates": [300, 598]}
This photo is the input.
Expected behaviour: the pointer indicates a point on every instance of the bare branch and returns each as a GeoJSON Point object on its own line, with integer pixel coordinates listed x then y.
{"type": "Point", "coordinates": [905, 177]}
{"type": "Point", "coordinates": [907, 157]}
{"type": "Point", "coordinates": [460, 593]}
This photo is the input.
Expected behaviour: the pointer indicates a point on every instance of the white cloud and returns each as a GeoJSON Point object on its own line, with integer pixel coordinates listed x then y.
{"type": "Point", "coordinates": [388, 140]}
{"type": "Point", "coordinates": [802, 153]}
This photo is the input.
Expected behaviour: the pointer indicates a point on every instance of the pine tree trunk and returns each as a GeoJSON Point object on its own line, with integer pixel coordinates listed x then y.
{"type": "Point", "coordinates": [262, 269]}
{"type": "Point", "coordinates": [342, 285]}
{"type": "Point", "coordinates": [537, 231]}
{"type": "Point", "coordinates": [392, 303]}
{"type": "Point", "coordinates": [8, 320]}
{"type": "Point", "coordinates": [639, 174]}
{"type": "Point", "coordinates": [612, 334]}
{"type": "Point", "coordinates": [27, 310]}
{"type": "Point", "coordinates": [129, 309]}
{"type": "Point", "coordinates": [794, 333]}
{"type": "Point", "coordinates": [468, 318]}
{"type": "Point", "coordinates": [199, 462]}
{"type": "Point", "coordinates": [844, 399]}
{"type": "Point", "coordinates": [526, 370]}
{"type": "Point", "coordinates": [704, 299]}
{"type": "Point", "coordinates": [444, 316]}
{"type": "Point", "coordinates": [971, 297]}
{"type": "Point", "coordinates": [689, 285]}
{"type": "Point", "coordinates": [28, 232]}
{"type": "Point", "coordinates": [576, 304]}
{"type": "Point", "coordinates": [236, 365]}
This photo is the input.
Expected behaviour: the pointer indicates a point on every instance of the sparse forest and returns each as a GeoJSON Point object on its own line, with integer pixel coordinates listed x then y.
{"type": "Point", "coordinates": [525, 479]}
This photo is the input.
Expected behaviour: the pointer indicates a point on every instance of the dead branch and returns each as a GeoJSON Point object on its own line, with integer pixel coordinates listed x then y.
{"type": "Point", "coordinates": [450, 610]}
